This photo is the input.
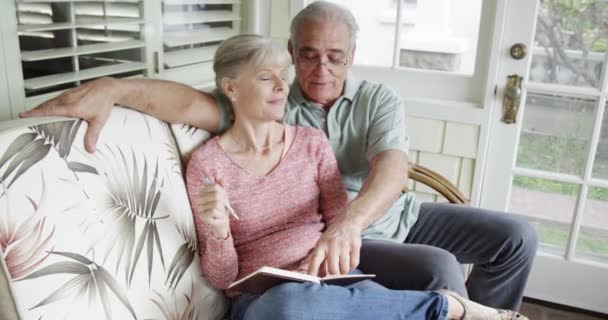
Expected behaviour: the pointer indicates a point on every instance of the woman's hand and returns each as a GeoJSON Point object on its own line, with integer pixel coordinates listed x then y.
{"type": "Point", "coordinates": [211, 204]}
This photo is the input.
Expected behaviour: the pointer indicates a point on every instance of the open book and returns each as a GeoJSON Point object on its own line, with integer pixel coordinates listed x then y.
{"type": "Point", "coordinates": [267, 277]}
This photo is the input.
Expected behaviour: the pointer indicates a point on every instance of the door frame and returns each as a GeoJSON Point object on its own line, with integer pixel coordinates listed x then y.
{"type": "Point", "coordinates": [503, 65]}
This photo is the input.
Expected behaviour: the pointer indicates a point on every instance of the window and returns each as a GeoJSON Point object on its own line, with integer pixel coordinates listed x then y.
{"type": "Point", "coordinates": [63, 43]}
{"type": "Point", "coordinates": [432, 34]}
{"type": "Point", "coordinates": [191, 33]}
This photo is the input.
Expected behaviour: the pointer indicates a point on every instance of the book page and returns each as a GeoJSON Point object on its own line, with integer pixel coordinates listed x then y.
{"type": "Point", "coordinates": [289, 274]}
{"type": "Point", "coordinates": [267, 277]}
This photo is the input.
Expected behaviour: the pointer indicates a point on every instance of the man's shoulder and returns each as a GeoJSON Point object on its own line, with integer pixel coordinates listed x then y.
{"type": "Point", "coordinates": [375, 91]}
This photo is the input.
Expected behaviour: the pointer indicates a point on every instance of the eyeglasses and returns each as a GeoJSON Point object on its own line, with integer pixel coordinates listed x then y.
{"type": "Point", "coordinates": [335, 61]}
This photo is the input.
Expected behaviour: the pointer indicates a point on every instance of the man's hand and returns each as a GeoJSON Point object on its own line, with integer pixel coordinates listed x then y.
{"type": "Point", "coordinates": [92, 101]}
{"type": "Point", "coordinates": [338, 249]}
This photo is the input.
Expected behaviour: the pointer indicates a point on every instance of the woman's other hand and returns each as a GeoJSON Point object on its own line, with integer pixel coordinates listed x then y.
{"type": "Point", "coordinates": [211, 204]}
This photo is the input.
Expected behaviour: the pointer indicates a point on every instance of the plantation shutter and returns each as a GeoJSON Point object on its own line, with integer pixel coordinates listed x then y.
{"type": "Point", "coordinates": [63, 43]}
{"type": "Point", "coordinates": [192, 30]}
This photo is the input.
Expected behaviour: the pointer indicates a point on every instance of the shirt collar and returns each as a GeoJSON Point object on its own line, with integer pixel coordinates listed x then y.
{"type": "Point", "coordinates": [351, 86]}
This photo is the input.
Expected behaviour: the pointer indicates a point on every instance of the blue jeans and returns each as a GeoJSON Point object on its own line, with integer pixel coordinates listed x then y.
{"type": "Point", "coordinates": [362, 300]}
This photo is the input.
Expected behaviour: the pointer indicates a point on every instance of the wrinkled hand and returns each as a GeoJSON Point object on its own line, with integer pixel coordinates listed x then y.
{"type": "Point", "coordinates": [211, 205]}
{"type": "Point", "coordinates": [338, 249]}
{"type": "Point", "coordinates": [92, 101]}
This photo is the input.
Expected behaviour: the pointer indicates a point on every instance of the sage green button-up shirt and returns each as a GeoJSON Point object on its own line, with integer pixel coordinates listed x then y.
{"type": "Point", "coordinates": [366, 120]}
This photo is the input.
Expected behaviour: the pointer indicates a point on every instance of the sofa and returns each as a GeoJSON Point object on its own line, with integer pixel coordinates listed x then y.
{"type": "Point", "coordinates": [108, 235]}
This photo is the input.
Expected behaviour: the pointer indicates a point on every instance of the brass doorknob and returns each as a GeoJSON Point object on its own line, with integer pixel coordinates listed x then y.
{"type": "Point", "coordinates": [518, 51]}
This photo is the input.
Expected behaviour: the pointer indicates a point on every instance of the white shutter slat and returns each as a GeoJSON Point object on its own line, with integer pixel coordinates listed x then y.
{"type": "Point", "coordinates": [125, 10]}
{"type": "Point", "coordinates": [57, 79]}
{"type": "Point", "coordinates": [191, 2]}
{"type": "Point", "coordinates": [59, 1]}
{"type": "Point", "coordinates": [177, 18]}
{"type": "Point", "coordinates": [34, 18]}
{"type": "Point", "coordinates": [200, 73]}
{"type": "Point", "coordinates": [189, 56]}
{"type": "Point", "coordinates": [43, 8]}
{"type": "Point", "coordinates": [182, 38]}
{"type": "Point", "coordinates": [116, 27]}
{"type": "Point", "coordinates": [46, 34]}
{"type": "Point", "coordinates": [100, 36]}
{"type": "Point", "coordinates": [81, 23]}
{"type": "Point", "coordinates": [80, 50]}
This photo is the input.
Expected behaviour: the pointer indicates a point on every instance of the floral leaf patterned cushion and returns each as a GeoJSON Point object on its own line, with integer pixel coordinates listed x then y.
{"type": "Point", "coordinates": [108, 235]}
{"type": "Point", "coordinates": [188, 139]}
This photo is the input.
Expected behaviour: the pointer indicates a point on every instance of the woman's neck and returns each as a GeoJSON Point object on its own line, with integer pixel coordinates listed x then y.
{"type": "Point", "coordinates": [256, 137]}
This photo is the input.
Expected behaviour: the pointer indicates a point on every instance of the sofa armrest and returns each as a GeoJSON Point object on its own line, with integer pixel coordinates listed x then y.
{"type": "Point", "coordinates": [436, 182]}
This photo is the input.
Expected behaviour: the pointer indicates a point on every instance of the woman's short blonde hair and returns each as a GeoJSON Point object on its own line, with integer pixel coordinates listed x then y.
{"type": "Point", "coordinates": [236, 52]}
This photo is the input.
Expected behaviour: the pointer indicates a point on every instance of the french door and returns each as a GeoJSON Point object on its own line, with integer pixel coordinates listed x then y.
{"type": "Point", "coordinates": [551, 164]}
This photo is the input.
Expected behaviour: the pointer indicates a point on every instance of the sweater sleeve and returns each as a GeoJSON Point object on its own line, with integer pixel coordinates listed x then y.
{"type": "Point", "coordinates": [218, 257]}
{"type": "Point", "coordinates": [332, 194]}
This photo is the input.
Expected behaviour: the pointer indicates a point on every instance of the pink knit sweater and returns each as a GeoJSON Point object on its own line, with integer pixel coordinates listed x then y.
{"type": "Point", "coordinates": [282, 214]}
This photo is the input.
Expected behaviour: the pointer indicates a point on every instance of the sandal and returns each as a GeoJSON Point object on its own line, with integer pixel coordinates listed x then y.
{"type": "Point", "coordinates": [469, 309]}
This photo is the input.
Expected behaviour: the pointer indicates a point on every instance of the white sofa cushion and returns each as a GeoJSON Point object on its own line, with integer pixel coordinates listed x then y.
{"type": "Point", "coordinates": [188, 139]}
{"type": "Point", "coordinates": [101, 236]}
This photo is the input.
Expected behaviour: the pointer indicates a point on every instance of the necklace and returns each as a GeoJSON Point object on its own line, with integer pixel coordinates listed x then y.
{"type": "Point", "coordinates": [248, 148]}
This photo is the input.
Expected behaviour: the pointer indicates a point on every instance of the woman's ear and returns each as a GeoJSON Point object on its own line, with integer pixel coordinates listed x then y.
{"type": "Point", "coordinates": [228, 88]}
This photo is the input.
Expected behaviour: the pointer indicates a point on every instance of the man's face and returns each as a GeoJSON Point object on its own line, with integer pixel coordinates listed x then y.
{"type": "Point", "coordinates": [322, 57]}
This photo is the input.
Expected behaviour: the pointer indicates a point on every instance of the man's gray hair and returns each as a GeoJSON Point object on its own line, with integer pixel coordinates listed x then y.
{"type": "Point", "coordinates": [235, 52]}
{"type": "Point", "coordinates": [324, 10]}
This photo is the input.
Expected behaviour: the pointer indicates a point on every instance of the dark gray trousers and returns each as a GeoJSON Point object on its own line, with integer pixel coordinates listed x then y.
{"type": "Point", "coordinates": [500, 246]}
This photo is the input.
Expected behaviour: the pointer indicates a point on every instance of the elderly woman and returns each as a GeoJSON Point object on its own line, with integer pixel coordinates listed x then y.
{"type": "Point", "coordinates": [284, 184]}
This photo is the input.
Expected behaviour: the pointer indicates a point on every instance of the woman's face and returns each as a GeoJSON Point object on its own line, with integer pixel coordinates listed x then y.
{"type": "Point", "coordinates": [259, 93]}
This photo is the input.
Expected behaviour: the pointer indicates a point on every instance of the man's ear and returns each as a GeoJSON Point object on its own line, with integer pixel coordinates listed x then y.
{"type": "Point", "coordinates": [352, 55]}
{"type": "Point", "coordinates": [228, 88]}
{"type": "Point", "coordinates": [290, 49]}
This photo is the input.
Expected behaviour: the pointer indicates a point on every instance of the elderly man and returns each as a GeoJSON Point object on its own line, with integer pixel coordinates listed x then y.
{"type": "Point", "coordinates": [408, 246]}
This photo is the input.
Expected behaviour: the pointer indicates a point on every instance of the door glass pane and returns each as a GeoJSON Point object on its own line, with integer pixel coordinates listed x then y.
{"type": "Point", "coordinates": [556, 133]}
{"type": "Point", "coordinates": [570, 43]}
{"type": "Point", "coordinates": [600, 165]}
{"type": "Point", "coordinates": [435, 34]}
{"type": "Point", "coordinates": [592, 240]}
{"type": "Point", "coordinates": [549, 205]}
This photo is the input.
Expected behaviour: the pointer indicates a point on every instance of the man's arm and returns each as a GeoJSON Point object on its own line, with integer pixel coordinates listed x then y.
{"type": "Point", "coordinates": [340, 244]}
{"type": "Point", "coordinates": [165, 100]}
{"type": "Point", "coordinates": [386, 151]}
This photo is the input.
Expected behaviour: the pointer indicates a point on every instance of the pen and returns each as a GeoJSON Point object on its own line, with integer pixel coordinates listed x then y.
{"type": "Point", "coordinates": [208, 182]}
